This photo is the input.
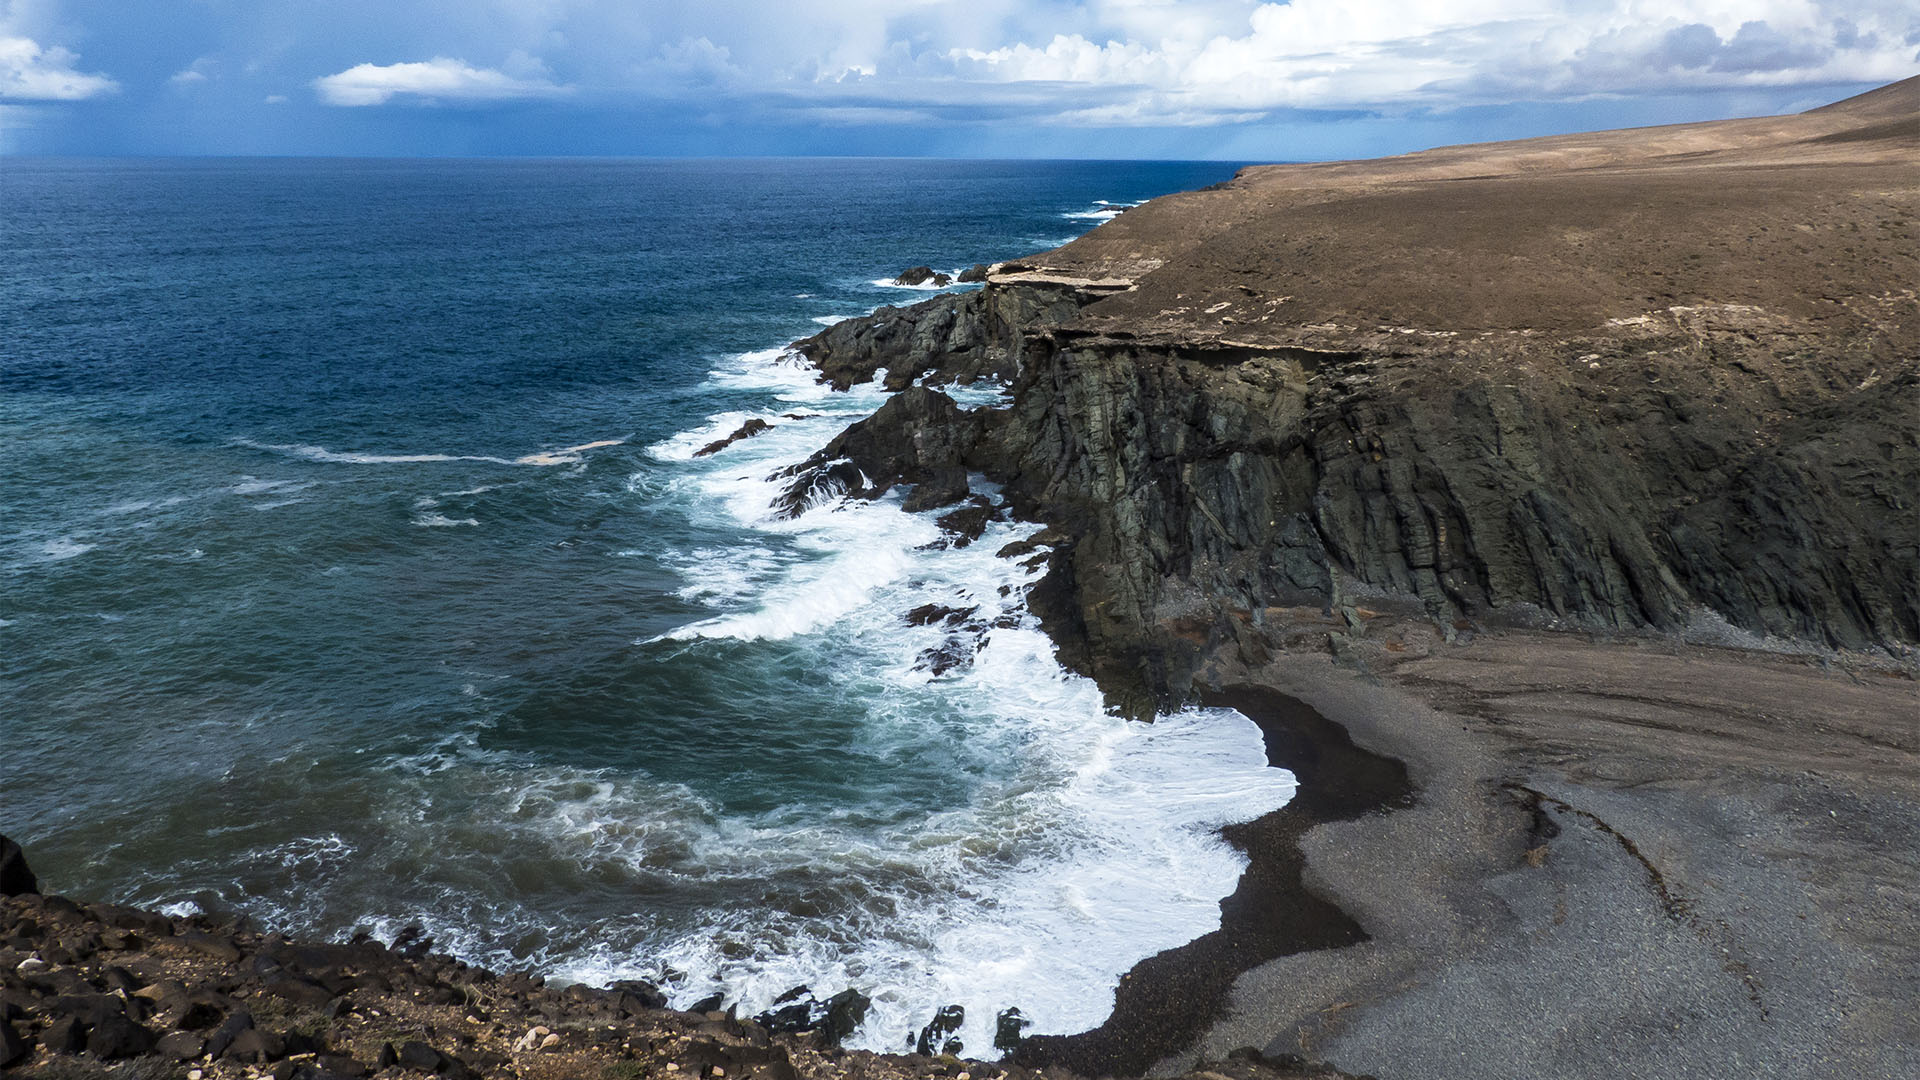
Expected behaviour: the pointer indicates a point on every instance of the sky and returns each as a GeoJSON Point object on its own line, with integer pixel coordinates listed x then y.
{"type": "Point", "coordinates": [1237, 80]}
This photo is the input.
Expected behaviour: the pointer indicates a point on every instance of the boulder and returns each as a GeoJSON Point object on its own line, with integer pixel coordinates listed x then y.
{"type": "Point", "coordinates": [12, 1047]}
{"type": "Point", "coordinates": [973, 274]}
{"type": "Point", "coordinates": [180, 1046]}
{"type": "Point", "coordinates": [67, 1035]}
{"type": "Point", "coordinates": [117, 1037]}
{"type": "Point", "coordinates": [936, 1037]}
{"type": "Point", "coordinates": [256, 1047]}
{"type": "Point", "coordinates": [846, 1011]}
{"type": "Point", "coordinates": [16, 878]}
{"type": "Point", "coordinates": [916, 275]}
{"type": "Point", "coordinates": [1009, 1028]}
{"type": "Point", "coordinates": [229, 1030]}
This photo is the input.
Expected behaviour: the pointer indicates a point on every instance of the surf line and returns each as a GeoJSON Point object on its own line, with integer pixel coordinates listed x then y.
{"type": "Point", "coordinates": [564, 456]}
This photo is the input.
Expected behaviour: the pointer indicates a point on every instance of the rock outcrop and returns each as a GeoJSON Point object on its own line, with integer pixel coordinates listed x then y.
{"type": "Point", "coordinates": [959, 337]}
{"type": "Point", "coordinates": [1572, 388]}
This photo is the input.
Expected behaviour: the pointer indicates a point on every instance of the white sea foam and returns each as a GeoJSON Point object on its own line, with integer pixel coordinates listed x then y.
{"type": "Point", "coordinates": [1030, 893]}
{"type": "Point", "coordinates": [953, 282]}
{"type": "Point", "coordinates": [566, 456]}
{"type": "Point", "coordinates": [833, 320]}
{"type": "Point", "coordinates": [436, 520]}
{"type": "Point", "coordinates": [1102, 211]}
{"type": "Point", "coordinates": [59, 549]}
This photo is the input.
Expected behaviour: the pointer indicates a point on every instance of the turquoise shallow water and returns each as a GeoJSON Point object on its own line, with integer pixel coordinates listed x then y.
{"type": "Point", "coordinates": [355, 570]}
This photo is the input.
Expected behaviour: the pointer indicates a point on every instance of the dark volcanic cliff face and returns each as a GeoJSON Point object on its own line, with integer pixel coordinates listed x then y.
{"type": "Point", "coordinates": [1630, 381]}
{"type": "Point", "coordinates": [1642, 485]}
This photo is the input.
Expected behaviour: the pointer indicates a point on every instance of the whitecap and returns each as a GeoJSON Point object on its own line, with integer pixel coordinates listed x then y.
{"type": "Point", "coordinates": [566, 456]}
{"type": "Point", "coordinates": [1025, 895]}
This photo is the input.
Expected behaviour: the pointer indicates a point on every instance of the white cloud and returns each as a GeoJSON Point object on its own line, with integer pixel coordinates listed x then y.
{"type": "Point", "coordinates": [1399, 53]}
{"type": "Point", "coordinates": [439, 80]}
{"type": "Point", "coordinates": [29, 72]}
{"type": "Point", "coordinates": [199, 71]}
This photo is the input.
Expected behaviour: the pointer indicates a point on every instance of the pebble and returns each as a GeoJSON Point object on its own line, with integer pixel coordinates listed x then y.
{"type": "Point", "coordinates": [195, 1074]}
{"type": "Point", "coordinates": [31, 965]}
{"type": "Point", "coordinates": [551, 1041]}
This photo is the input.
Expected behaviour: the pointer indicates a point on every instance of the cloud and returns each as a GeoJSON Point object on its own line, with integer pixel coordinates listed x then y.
{"type": "Point", "coordinates": [197, 72]}
{"type": "Point", "coordinates": [437, 80]}
{"type": "Point", "coordinates": [29, 72]}
{"type": "Point", "coordinates": [1398, 54]}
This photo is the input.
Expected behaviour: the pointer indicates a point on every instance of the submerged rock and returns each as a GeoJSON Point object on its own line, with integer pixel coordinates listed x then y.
{"type": "Point", "coordinates": [936, 1038]}
{"type": "Point", "coordinates": [748, 430]}
{"type": "Point", "coordinates": [832, 1020]}
{"type": "Point", "coordinates": [1009, 1028]}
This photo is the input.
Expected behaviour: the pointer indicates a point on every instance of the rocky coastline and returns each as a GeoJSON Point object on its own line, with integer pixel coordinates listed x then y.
{"type": "Point", "coordinates": [1597, 454]}
{"type": "Point", "coordinates": [1554, 507]}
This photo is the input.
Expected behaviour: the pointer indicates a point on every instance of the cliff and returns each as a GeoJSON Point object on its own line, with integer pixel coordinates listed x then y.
{"type": "Point", "coordinates": [1655, 380]}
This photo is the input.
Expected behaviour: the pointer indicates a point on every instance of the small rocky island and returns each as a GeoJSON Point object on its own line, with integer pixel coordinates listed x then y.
{"type": "Point", "coordinates": [1553, 506]}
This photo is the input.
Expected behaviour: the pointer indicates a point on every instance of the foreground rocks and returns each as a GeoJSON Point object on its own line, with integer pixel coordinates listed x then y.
{"type": "Point", "coordinates": [95, 990]}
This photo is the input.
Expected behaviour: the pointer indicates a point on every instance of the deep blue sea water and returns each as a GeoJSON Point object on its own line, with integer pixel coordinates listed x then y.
{"type": "Point", "coordinates": [355, 570]}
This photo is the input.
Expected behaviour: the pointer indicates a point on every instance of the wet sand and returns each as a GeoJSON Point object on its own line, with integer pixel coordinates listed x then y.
{"type": "Point", "coordinates": [1626, 857]}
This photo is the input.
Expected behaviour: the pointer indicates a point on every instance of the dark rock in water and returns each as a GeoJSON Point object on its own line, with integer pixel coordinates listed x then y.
{"type": "Point", "coordinates": [711, 1003]}
{"type": "Point", "coordinates": [928, 614]}
{"type": "Point", "coordinates": [747, 430]}
{"type": "Point", "coordinates": [798, 1010]}
{"type": "Point", "coordinates": [973, 274]}
{"type": "Point", "coordinates": [917, 432]}
{"type": "Point", "coordinates": [1008, 1029]}
{"type": "Point", "coordinates": [953, 653]}
{"type": "Point", "coordinates": [823, 484]}
{"type": "Point", "coordinates": [792, 1017]}
{"type": "Point", "coordinates": [12, 1046]}
{"type": "Point", "coordinates": [916, 275]}
{"type": "Point", "coordinates": [947, 485]}
{"type": "Point", "coordinates": [16, 878]}
{"type": "Point", "coordinates": [117, 1037]}
{"type": "Point", "coordinates": [935, 1036]}
{"type": "Point", "coordinates": [413, 942]}
{"type": "Point", "coordinates": [968, 522]}
{"type": "Point", "coordinates": [846, 1011]}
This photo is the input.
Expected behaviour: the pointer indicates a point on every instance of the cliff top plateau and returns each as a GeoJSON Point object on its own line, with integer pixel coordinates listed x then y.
{"type": "Point", "coordinates": [1807, 220]}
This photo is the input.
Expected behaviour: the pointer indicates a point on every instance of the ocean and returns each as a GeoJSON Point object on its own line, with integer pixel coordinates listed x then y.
{"type": "Point", "coordinates": [356, 570]}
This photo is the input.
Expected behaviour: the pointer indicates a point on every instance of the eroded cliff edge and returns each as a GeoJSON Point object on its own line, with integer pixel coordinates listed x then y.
{"type": "Point", "coordinates": [1665, 380]}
